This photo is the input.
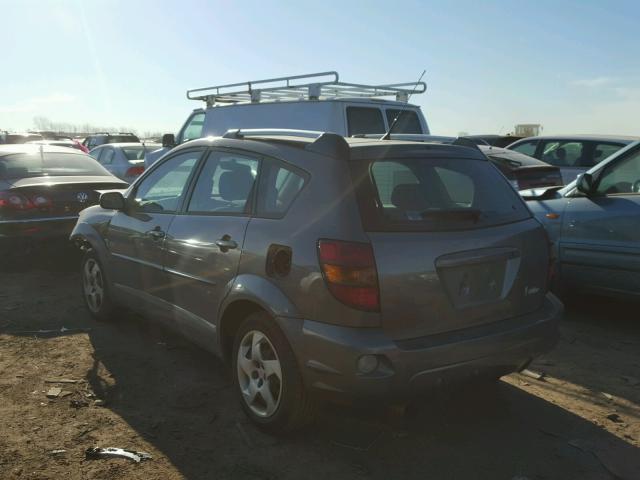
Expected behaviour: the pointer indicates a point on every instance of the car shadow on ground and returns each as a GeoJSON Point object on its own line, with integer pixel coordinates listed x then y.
{"type": "Point", "coordinates": [180, 399]}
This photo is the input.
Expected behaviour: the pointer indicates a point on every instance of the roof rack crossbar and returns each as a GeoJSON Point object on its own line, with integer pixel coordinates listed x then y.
{"type": "Point", "coordinates": [326, 85]}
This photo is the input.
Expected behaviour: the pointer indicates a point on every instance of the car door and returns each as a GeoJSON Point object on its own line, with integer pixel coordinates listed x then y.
{"type": "Point", "coordinates": [136, 236]}
{"type": "Point", "coordinates": [600, 237]}
{"type": "Point", "coordinates": [205, 241]}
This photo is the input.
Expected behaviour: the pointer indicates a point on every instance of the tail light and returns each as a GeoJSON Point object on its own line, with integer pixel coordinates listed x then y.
{"type": "Point", "coordinates": [134, 171]}
{"type": "Point", "coordinates": [41, 201]}
{"type": "Point", "coordinates": [349, 270]}
{"type": "Point", "coordinates": [15, 201]}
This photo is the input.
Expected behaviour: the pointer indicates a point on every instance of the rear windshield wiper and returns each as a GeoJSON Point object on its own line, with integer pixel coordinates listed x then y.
{"type": "Point", "coordinates": [453, 214]}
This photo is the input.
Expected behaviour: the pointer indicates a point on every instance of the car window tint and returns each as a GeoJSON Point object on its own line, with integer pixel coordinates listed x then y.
{"type": "Point", "coordinates": [107, 156]}
{"type": "Point", "coordinates": [162, 190]}
{"type": "Point", "coordinates": [363, 120]}
{"type": "Point", "coordinates": [279, 186]}
{"type": "Point", "coordinates": [438, 194]}
{"type": "Point", "coordinates": [527, 148]}
{"type": "Point", "coordinates": [565, 154]}
{"type": "Point", "coordinates": [224, 184]}
{"type": "Point", "coordinates": [407, 121]}
{"type": "Point", "coordinates": [194, 127]}
{"type": "Point", "coordinates": [604, 150]}
{"type": "Point", "coordinates": [621, 178]}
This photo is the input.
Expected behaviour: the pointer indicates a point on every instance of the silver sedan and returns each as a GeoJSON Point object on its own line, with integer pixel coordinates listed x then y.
{"type": "Point", "coordinates": [124, 160]}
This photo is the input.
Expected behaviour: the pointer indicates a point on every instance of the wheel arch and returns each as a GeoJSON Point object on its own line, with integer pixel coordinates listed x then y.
{"type": "Point", "coordinates": [249, 294]}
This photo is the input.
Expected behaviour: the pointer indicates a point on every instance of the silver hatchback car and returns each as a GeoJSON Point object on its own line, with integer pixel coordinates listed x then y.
{"type": "Point", "coordinates": [323, 267]}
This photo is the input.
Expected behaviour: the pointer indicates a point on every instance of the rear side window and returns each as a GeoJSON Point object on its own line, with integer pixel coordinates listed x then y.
{"type": "Point", "coordinates": [434, 195]}
{"type": "Point", "coordinates": [279, 185]}
{"type": "Point", "coordinates": [363, 120]}
{"type": "Point", "coordinates": [527, 148]}
{"type": "Point", "coordinates": [604, 150]}
{"type": "Point", "coordinates": [566, 154]}
{"type": "Point", "coordinates": [406, 121]}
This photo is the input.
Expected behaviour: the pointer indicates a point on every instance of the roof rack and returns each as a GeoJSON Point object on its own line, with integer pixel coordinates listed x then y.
{"type": "Point", "coordinates": [312, 86]}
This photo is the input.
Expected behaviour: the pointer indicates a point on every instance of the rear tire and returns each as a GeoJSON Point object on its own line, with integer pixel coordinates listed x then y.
{"type": "Point", "coordinates": [95, 288]}
{"type": "Point", "coordinates": [267, 378]}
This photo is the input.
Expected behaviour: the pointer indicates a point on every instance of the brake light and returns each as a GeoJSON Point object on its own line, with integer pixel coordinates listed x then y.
{"type": "Point", "coordinates": [15, 201]}
{"type": "Point", "coordinates": [40, 201]}
{"type": "Point", "coordinates": [350, 273]}
{"type": "Point", "coordinates": [134, 171]}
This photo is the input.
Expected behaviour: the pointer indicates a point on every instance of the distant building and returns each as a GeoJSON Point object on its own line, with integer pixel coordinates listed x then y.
{"type": "Point", "coordinates": [527, 130]}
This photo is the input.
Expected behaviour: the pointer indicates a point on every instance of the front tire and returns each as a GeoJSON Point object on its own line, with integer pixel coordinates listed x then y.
{"type": "Point", "coordinates": [95, 290]}
{"type": "Point", "coordinates": [267, 378]}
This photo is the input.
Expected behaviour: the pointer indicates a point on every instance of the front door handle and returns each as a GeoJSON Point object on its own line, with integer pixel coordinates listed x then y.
{"type": "Point", "coordinates": [226, 243]}
{"type": "Point", "coordinates": [156, 233]}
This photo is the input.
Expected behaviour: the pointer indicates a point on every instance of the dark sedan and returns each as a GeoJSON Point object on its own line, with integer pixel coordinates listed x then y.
{"type": "Point", "coordinates": [523, 171]}
{"type": "Point", "coordinates": [42, 190]}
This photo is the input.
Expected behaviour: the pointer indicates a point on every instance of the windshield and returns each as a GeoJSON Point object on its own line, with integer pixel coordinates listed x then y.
{"type": "Point", "coordinates": [51, 164]}
{"type": "Point", "coordinates": [435, 195]}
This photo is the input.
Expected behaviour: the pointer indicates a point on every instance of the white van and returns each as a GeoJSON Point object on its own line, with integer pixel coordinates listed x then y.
{"type": "Point", "coordinates": [317, 101]}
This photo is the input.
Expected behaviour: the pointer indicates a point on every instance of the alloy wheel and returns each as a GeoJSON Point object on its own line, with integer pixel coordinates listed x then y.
{"type": "Point", "coordinates": [259, 374]}
{"type": "Point", "coordinates": [93, 285]}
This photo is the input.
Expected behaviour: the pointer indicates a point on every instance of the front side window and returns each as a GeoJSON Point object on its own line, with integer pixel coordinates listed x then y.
{"type": "Point", "coordinates": [224, 185]}
{"type": "Point", "coordinates": [436, 194]}
{"type": "Point", "coordinates": [621, 178]}
{"type": "Point", "coordinates": [565, 154]}
{"type": "Point", "coordinates": [526, 148]}
{"type": "Point", "coordinates": [406, 121]}
{"type": "Point", "coordinates": [193, 129]}
{"type": "Point", "coordinates": [163, 189]}
{"type": "Point", "coordinates": [279, 186]}
{"type": "Point", "coordinates": [363, 120]}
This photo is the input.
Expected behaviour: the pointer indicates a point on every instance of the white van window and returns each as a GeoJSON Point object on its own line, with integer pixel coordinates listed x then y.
{"type": "Point", "coordinates": [363, 120]}
{"type": "Point", "coordinates": [193, 129]}
{"type": "Point", "coordinates": [407, 121]}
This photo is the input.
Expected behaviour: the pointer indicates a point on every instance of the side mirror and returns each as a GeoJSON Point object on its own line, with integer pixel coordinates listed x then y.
{"type": "Point", "coordinates": [112, 201]}
{"type": "Point", "coordinates": [168, 140]}
{"type": "Point", "coordinates": [584, 183]}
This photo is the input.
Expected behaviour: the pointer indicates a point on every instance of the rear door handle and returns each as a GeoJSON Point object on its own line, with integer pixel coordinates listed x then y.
{"type": "Point", "coordinates": [226, 243]}
{"type": "Point", "coordinates": [156, 233]}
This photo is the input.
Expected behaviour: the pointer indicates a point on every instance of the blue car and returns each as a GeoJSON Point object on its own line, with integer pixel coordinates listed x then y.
{"type": "Point", "coordinates": [594, 226]}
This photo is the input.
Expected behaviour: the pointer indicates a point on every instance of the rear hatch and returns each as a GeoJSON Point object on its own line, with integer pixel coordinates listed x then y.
{"type": "Point", "coordinates": [454, 245]}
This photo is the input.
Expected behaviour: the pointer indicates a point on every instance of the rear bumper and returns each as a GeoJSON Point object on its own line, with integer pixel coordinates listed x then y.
{"type": "Point", "coordinates": [23, 234]}
{"type": "Point", "coordinates": [328, 355]}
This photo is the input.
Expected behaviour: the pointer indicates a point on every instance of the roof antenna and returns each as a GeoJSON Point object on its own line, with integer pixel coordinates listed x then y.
{"type": "Point", "coordinates": [387, 134]}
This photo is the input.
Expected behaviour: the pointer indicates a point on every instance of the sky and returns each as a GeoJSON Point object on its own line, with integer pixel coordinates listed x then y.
{"type": "Point", "coordinates": [571, 66]}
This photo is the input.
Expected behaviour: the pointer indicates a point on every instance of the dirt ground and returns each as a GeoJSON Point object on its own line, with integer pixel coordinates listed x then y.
{"type": "Point", "coordinates": [142, 388]}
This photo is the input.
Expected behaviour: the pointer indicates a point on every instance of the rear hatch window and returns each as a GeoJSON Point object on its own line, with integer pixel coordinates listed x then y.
{"type": "Point", "coordinates": [434, 194]}
{"type": "Point", "coordinates": [50, 164]}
